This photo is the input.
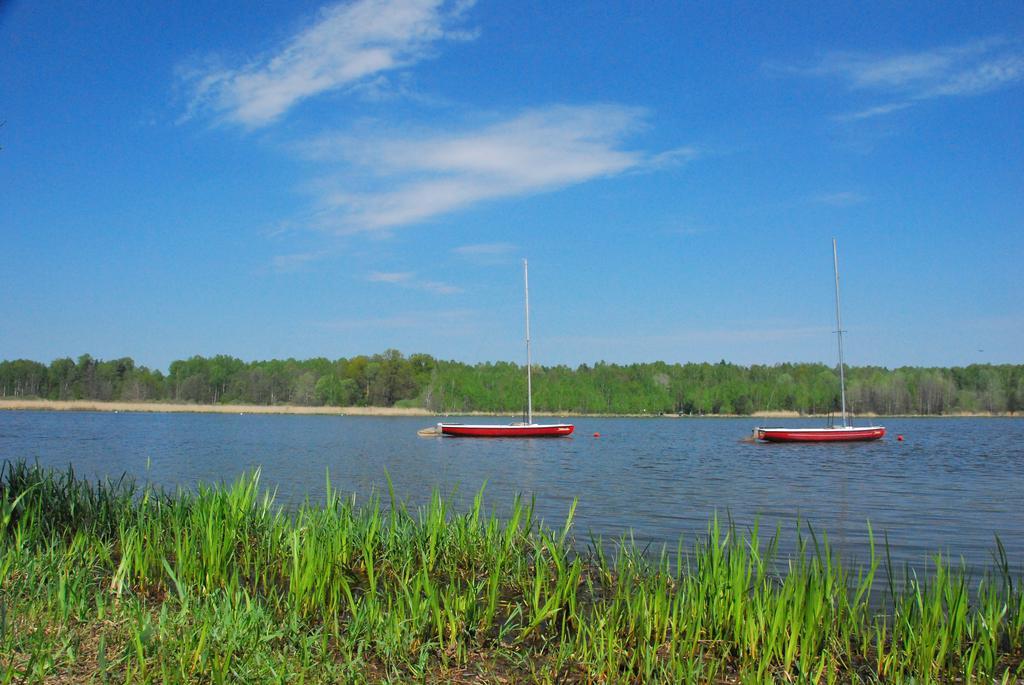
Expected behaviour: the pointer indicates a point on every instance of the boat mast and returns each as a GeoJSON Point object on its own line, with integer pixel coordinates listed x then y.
{"type": "Point", "coordinates": [529, 388]}
{"type": "Point", "coordinates": [839, 335]}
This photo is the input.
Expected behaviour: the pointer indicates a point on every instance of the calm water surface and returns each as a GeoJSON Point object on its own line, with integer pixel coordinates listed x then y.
{"type": "Point", "coordinates": [951, 486]}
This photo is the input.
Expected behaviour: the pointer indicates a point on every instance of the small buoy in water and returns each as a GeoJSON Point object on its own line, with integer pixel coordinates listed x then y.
{"type": "Point", "coordinates": [899, 438]}
{"type": "Point", "coordinates": [597, 435]}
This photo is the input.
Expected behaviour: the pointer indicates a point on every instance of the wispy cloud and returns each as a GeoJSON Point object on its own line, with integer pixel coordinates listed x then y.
{"type": "Point", "coordinates": [875, 111]}
{"type": "Point", "coordinates": [964, 70]}
{"type": "Point", "coordinates": [845, 198]}
{"type": "Point", "coordinates": [487, 254]}
{"type": "Point", "coordinates": [439, 287]}
{"type": "Point", "coordinates": [1003, 324]}
{"type": "Point", "coordinates": [485, 249]}
{"type": "Point", "coordinates": [456, 321]}
{"type": "Point", "coordinates": [408, 279]}
{"type": "Point", "coordinates": [758, 335]}
{"type": "Point", "coordinates": [295, 262]}
{"type": "Point", "coordinates": [413, 178]}
{"type": "Point", "coordinates": [687, 230]}
{"type": "Point", "coordinates": [390, 277]}
{"type": "Point", "coordinates": [349, 45]}
{"type": "Point", "coordinates": [670, 158]}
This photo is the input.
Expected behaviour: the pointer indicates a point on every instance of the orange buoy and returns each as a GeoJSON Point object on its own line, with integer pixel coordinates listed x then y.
{"type": "Point", "coordinates": [597, 435]}
{"type": "Point", "coordinates": [899, 438]}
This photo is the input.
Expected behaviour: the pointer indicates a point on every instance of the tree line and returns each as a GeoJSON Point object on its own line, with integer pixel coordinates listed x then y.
{"type": "Point", "coordinates": [420, 380]}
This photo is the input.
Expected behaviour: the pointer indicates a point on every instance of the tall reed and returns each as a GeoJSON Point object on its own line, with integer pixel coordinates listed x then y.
{"type": "Point", "coordinates": [111, 582]}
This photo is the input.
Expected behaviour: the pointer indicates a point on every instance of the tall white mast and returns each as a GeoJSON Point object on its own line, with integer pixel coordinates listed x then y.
{"type": "Point", "coordinates": [839, 334]}
{"type": "Point", "coordinates": [529, 388]}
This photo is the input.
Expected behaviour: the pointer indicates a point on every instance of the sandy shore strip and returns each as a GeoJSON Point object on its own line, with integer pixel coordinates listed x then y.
{"type": "Point", "coordinates": [775, 415]}
{"type": "Point", "coordinates": [159, 407]}
{"type": "Point", "coordinates": [170, 407]}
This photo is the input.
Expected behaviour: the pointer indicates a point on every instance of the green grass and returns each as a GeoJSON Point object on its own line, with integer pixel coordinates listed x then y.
{"type": "Point", "coordinates": [114, 583]}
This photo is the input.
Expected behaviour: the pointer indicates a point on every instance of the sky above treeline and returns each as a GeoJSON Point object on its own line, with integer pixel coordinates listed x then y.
{"type": "Point", "coordinates": [300, 179]}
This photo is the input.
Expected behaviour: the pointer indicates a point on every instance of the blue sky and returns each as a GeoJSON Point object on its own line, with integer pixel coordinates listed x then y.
{"type": "Point", "coordinates": [303, 179]}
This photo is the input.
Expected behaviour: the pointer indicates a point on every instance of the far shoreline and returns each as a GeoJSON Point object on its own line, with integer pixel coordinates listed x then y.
{"type": "Point", "coordinates": [297, 410]}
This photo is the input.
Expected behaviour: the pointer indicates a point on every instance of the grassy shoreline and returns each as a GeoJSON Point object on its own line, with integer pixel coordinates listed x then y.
{"type": "Point", "coordinates": [170, 407]}
{"type": "Point", "coordinates": [106, 582]}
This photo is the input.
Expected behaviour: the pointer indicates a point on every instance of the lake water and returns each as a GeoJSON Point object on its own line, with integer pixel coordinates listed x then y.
{"type": "Point", "coordinates": [950, 486]}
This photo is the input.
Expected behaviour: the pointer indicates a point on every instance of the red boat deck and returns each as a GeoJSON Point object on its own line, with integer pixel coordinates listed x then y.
{"type": "Point", "coordinates": [826, 434]}
{"type": "Point", "coordinates": [521, 430]}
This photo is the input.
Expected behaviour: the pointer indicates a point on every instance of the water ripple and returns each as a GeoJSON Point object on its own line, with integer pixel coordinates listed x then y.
{"type": "Point", "coordinates": [950, 487]}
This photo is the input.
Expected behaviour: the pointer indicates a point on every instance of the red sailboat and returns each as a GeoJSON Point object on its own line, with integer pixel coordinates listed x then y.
{"type": "Point", "coordinates": [824, 434]}
{"type": "Point", "coordinates": [831, 433]}
{"type": "Point", "coordinates": [529, 429]}
{"type": "Point", "coordinates": [512, 430]}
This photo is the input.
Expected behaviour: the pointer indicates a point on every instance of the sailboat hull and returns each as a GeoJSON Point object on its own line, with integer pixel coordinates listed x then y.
{"type": "Point", "coordinates": [827, 434]}
{"type": "Point", "coordinates": [513, 430]}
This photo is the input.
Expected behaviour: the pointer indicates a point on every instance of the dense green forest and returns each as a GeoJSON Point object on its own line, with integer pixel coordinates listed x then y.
{"type": "Point", "coordinates": [419, 380]}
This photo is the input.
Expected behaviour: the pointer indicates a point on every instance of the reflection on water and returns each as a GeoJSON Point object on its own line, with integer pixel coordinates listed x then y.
{"type": "Point", "coordinates": [950, 486]}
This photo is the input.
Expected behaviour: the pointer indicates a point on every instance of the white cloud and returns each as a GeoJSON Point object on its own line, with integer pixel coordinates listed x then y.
{"type": "Point", "coordinates": [407, 279]}
{"type": "Point", "coordinates": [679, 155]}
{"type": "Point", "coordinates": [981, 78]}
{"type": "Point", "coordinates": [756, 335]}
{"type": "Point", "coordinates": [485, 249]}
{"type": "Point", "coordinates": [487, 254]}
{"type": "Point", "coordinates": [963, 70]}
{"type": "Point", "coordinates": [349, 45]}
{"type": "Point", "coordinates": [390, 277]}
{"type": "Point", "coordinates": [295, 262]}
{"type": "Point", "coordinates": [686, 230]}
{"type": "Point", "coordinates": [455, 321]}
{"type": "Point", "coordinates": [413, 178]}
{"type": "Point", "coordinates": [875, 111]}
{"type": "Point", "coordinates": [976, 67]}
{"type": "Point", "coordinates": [845, 198]}
{"type": "Point", "coordinates": [439, 288]}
